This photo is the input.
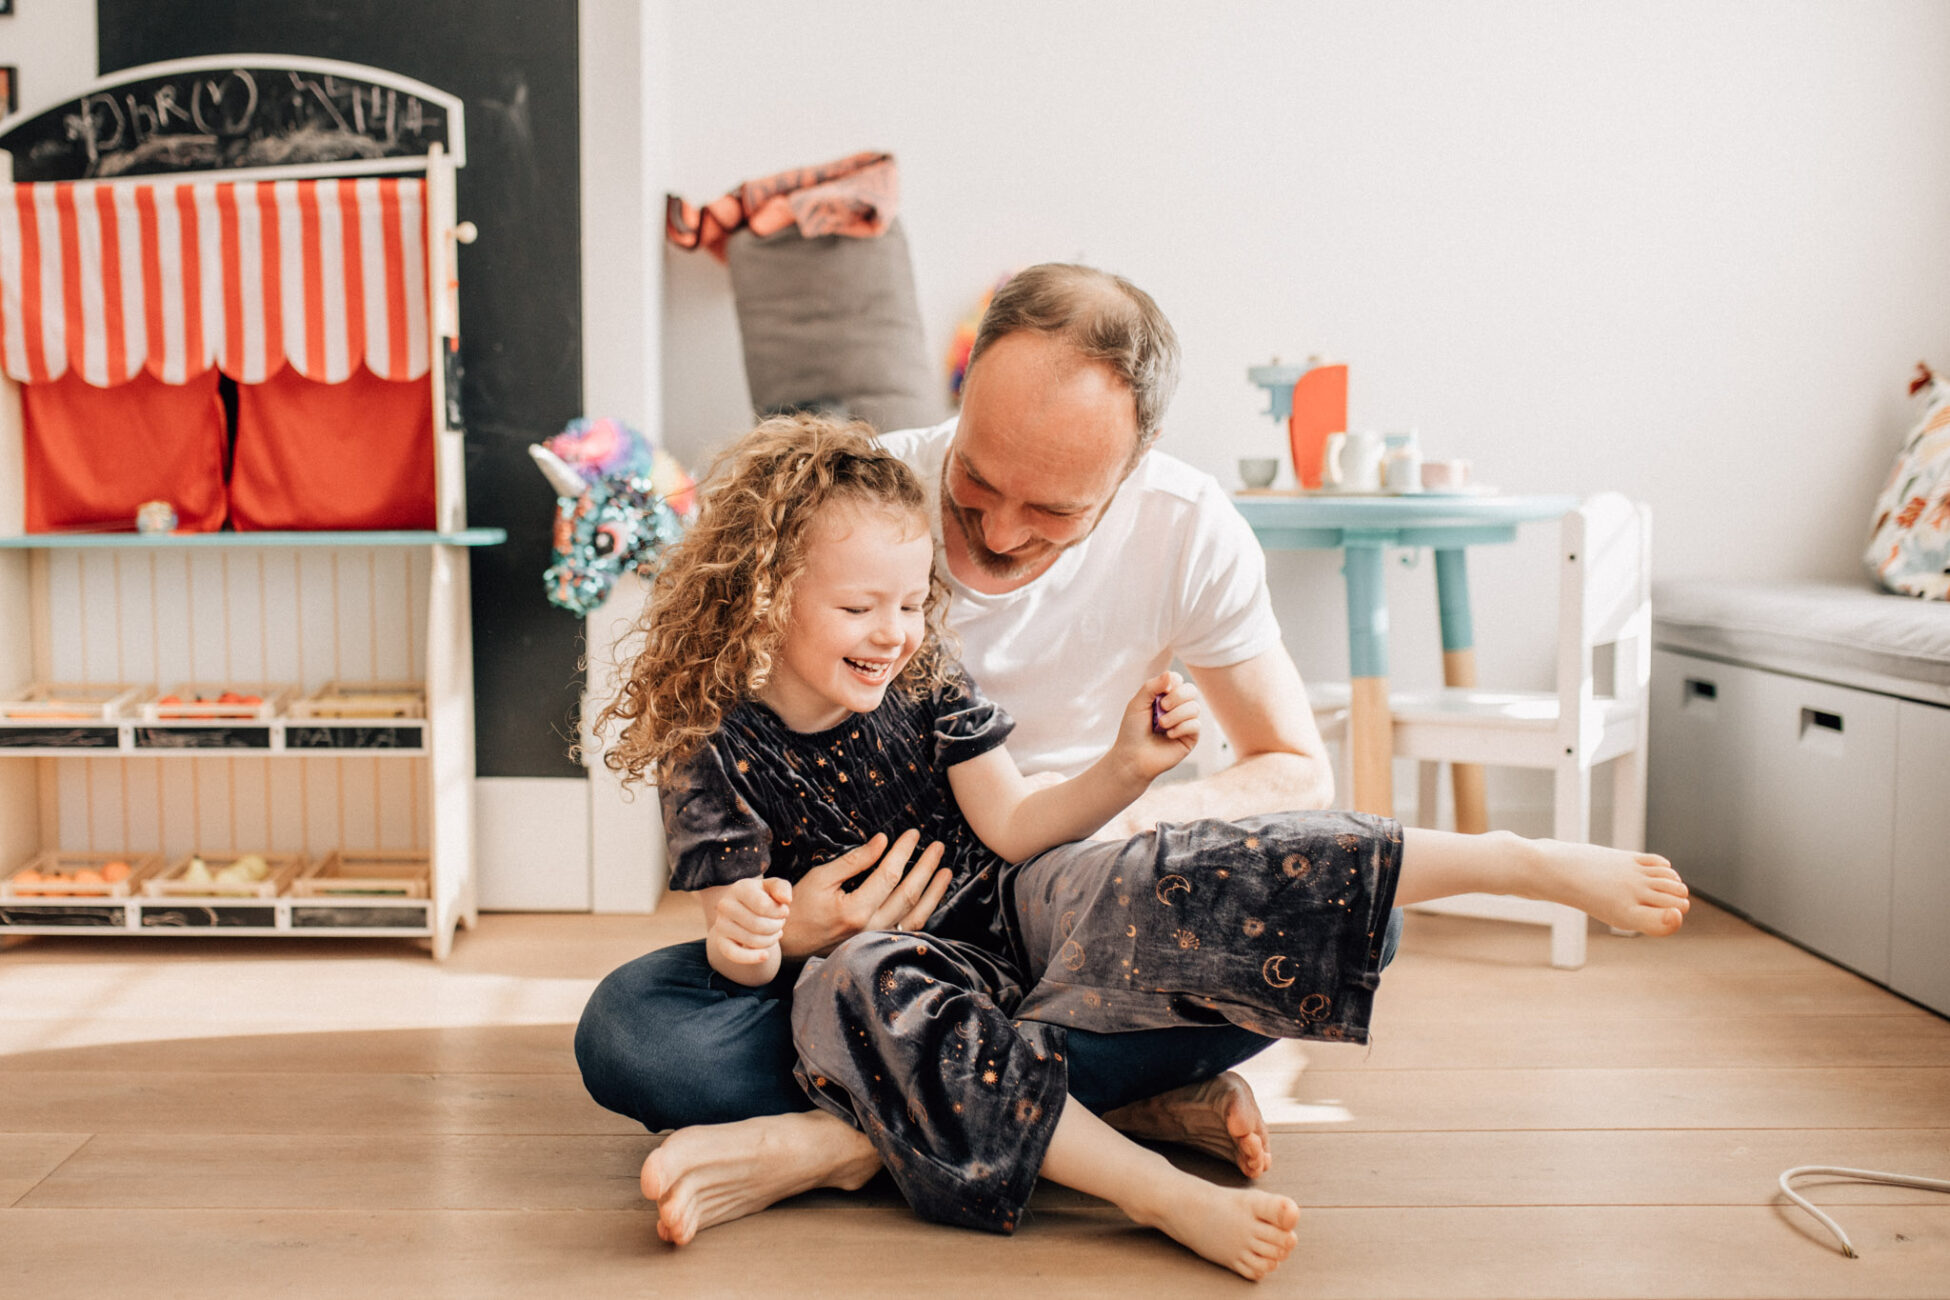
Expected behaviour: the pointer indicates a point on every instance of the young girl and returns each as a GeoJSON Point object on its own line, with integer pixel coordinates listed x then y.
{"type": "Point", "coordinates": [794, 699]}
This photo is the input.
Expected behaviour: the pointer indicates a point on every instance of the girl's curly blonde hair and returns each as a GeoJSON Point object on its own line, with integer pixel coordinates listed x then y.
{"type": "Point", "coordinates": [721, 601]}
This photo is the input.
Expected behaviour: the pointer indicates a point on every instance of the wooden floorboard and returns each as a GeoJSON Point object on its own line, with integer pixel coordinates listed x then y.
{"type": "Point", "coordinates": [1491, 1253]}
{"type": "Point", "coordinates": [1320, 1170]}
{"type": "Point", "coordinates": [238, 1118]}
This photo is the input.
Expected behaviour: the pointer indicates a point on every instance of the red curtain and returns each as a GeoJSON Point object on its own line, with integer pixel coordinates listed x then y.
{"type": "Point", "coordinates": [92, 455]}
{"type": "Point", "coordinates": [351, 455]}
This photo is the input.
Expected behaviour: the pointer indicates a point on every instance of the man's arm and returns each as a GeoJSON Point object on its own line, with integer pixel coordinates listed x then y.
{"type": "Point", "coordinates": [1281, 764]}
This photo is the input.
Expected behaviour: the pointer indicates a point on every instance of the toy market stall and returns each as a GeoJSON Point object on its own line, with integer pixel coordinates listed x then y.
{"type": "Point", "coordinates": [235, 664]}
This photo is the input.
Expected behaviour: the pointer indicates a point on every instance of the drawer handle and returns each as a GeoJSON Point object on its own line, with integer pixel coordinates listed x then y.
{"type": "Point", "coordinates": [1817, 720]}
{"type": "Point", "coordinates": [1698, 688]}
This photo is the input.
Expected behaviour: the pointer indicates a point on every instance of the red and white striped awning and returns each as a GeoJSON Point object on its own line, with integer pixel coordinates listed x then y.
{"type": "Point", "coordinates": [175, 276]}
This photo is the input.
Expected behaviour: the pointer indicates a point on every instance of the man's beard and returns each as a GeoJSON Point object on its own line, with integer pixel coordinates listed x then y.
{"type": "Point", "coordinates": [995, 564]}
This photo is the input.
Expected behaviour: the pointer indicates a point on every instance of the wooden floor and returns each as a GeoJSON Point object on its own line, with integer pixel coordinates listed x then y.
{"type": "Point", "coordinates": [292, 1118]}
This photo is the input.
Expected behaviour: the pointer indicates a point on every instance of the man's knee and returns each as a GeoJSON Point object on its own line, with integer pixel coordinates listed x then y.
{"type": "Point", "coordinates": [863, 980]}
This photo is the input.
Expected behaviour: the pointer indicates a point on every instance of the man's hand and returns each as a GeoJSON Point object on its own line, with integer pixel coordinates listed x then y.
{"type": "Point", "coordinates": [895, 895]}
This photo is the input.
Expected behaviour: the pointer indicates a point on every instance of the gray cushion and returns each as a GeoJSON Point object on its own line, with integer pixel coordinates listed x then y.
{"type": "Point", "coordinates": [832, 322]}
{"type": "Point", "coordinates": [1846, 632]}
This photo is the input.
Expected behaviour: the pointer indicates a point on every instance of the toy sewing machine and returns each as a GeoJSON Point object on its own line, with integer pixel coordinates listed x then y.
{"type": "Point", "coordinates": [1311, 400]}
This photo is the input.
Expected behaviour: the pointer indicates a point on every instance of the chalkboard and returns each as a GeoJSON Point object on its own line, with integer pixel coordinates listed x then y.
{"type": "Point", "coordinates": [200, 115]}
{"type": "Point", "coordinates": [63, 738]}
{"type": "Point", "coordinates": [202, 737]}
{"type": "Point", "coordinates": [297, 736]}
{"type": "Point", "coordinates": [216, 916]}
{"type": "Point", "coordinates": [114, 916]}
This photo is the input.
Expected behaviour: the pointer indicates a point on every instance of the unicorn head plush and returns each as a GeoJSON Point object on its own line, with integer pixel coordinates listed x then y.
{"type": "Point", "coordinates": [619, 501]}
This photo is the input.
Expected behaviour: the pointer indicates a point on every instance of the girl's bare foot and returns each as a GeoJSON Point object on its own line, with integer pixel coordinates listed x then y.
{"type": "Point", "coordinates": [1219, 1117]}
{"type": "Point", "coordinates": [1243, 1229]}
{"type": "Point", "coordinates": [714, 1173]}
{"type": "Point", "coordinates": [1630, 891]}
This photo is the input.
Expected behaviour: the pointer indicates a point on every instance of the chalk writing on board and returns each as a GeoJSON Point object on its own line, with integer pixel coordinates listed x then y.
{"type": "Point", "coordinates": [52, 738]}
{"type": "Point", "coordinates": [361, 737]}
{"type": "Point", "coordinates": [202, 737]}
{"type": "Point", "coordinates": [219, 118]}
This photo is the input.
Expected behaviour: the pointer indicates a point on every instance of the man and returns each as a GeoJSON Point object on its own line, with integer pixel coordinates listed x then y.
{"type": "Point", "coordinates": [1081, 561]}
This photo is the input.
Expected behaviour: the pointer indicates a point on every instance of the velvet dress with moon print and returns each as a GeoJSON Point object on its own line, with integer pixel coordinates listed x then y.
{"type": "Point", "coordinates": [945, 1046]}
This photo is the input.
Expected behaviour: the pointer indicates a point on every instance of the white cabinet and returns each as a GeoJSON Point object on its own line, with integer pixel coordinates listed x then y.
{"type": "Point", "coordinates": [1919, 911]}
{"type": "Point", "coordinates": [1818, 810]}
{"type": "Point", "coordinates": [1816, 838]}
{"type": "Point", "coordinates": [1702, 730]}
{"type": "Point", "coordinates": [299, 610]}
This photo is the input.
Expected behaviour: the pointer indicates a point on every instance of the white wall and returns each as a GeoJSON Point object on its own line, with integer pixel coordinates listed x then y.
{"type": "Point", "coordinates": [1690, 251]}
{"type": "Point", "coordinates": [53, 44]}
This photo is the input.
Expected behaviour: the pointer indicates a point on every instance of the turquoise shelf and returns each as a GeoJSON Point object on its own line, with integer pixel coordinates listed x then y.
{"type": "Point", "coordinates": [248, 541]}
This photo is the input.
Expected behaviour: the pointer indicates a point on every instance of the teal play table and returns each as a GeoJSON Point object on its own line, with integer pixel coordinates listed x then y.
{"type": "Point", "coordinates": [1362, 527]}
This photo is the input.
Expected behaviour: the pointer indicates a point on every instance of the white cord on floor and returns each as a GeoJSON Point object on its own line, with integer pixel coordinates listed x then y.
{"type": "Point", "coordinates": [1862, 1175]}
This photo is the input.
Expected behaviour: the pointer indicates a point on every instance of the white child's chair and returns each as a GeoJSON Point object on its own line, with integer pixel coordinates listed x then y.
{"type": "Point", "coordinates": [1604, 620]}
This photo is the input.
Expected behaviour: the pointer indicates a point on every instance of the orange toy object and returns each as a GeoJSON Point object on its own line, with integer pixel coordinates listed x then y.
{"type": "Point", "coordinates": [1319, 409]}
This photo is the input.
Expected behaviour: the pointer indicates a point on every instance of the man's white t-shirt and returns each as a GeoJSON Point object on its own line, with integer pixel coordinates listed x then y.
{"type": "Point", "coordinates": [1171, 571]}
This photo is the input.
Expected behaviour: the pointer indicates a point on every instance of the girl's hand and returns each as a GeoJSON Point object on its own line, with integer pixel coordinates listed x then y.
{"type": "Point", "coordinates": [1160, 726]}
{"type": "Point", "coordinates": [750, 920]}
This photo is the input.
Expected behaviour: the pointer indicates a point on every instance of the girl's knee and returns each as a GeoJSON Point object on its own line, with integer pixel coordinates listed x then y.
{"type": "Point", "coordinates": [858, 962]}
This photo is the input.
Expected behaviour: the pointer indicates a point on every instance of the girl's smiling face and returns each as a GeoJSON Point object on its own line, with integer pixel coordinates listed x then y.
{"type": "Point", "coordinates": [858, 615]}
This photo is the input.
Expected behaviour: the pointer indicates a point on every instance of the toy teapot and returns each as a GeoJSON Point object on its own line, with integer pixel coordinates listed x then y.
{"type": "Point", "coordinates": [1352, 462]}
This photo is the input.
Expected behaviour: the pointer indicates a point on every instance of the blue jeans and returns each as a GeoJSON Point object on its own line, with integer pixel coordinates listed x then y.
{"type": "Point", "coordinates": [669, 1042]}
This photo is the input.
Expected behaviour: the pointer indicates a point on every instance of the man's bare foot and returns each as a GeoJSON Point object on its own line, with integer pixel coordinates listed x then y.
{"type": "Point", "coordinates": [714, 1173]}
{"type": "Point", "coordinates": [1626, 890]}
{"type": "Point", "coordinates": [1218, 1116]}
{"type": "Point", "coordinates": [1243, 1229]}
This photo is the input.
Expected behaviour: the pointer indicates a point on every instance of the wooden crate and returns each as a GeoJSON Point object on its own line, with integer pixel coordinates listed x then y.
{"type": "Point", "coordinates": [366, 873]}
{"type": "Point", "coordinates": [170, 882]}
{"type": "Point", "coordinates": [57, 870]}
{"type": "Point", "coordinates": [58, 702]}
{"type": "Point", "coordinates": [201, 702]}
{"type": "Point", "coordinates": [364, 700]}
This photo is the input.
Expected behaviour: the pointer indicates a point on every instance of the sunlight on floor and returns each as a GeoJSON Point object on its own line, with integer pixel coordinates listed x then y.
{"type": "Point", "coordinates": [1275, 1078]}
{"type": "Point", "coordinates": [44, 1006]}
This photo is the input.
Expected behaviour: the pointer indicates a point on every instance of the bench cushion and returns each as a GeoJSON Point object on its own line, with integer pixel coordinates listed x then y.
{"type": "Point", "coordinates": [1843, 632]}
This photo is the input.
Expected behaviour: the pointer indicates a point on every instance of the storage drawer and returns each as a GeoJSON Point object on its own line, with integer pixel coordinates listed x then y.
{"type": "Point", "coordinates": [1699, 770]}
{"type": "Point", "coordinates": [1816, 843]}
{"type": "Point", "coordinates": [1776, 796]}
{"type": "Point", "coordinates": [1919, 938]}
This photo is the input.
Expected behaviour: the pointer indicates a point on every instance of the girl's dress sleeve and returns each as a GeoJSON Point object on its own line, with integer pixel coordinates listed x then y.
{"type": "Point", "coordinates": [711, 833]}
{"type": "Point", "coordinates": [967, 723]}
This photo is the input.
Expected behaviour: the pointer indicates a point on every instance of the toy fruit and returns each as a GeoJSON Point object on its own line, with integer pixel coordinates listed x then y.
{"type": "Point", "coordinates": [115, 872]}
{"type": "Point", "coordinates": [247, 870]}
{"type": "Point", "coordinates": [88, 876]}
{"type": "Point", "coordinates": [26, 878]}
{"type": "Point", "coordinates": [198, 872]}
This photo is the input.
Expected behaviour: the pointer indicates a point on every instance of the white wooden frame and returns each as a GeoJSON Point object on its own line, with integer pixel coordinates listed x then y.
{"type": "Point", "coordinates": [52, 799]}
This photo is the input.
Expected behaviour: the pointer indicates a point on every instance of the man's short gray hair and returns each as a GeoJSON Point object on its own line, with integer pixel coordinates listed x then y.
{"type": "Point", "coordinates": [1105, 318]}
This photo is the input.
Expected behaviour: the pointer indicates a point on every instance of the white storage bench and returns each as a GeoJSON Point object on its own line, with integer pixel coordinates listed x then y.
{"type": "Point", "coordinates": [1799, 770]}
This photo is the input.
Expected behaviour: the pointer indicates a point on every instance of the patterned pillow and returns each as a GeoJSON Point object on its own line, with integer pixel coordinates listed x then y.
{"type": "Point", "coordinates": [1909, 547]}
